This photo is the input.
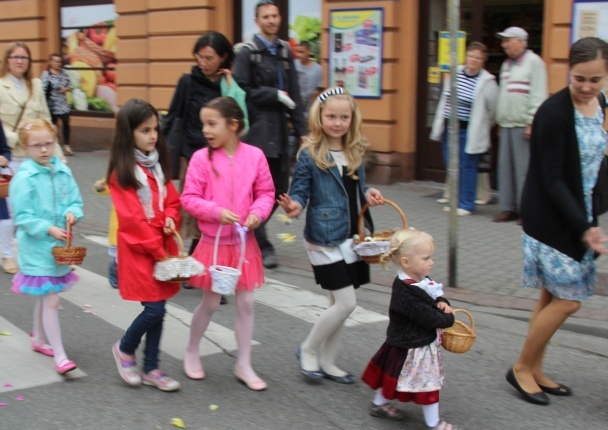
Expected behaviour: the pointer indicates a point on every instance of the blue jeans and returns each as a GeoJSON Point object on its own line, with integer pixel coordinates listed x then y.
{"type": "Point", "coordinates": [467, 178]}
{"type": "Point", "coordinates": [150, 323]}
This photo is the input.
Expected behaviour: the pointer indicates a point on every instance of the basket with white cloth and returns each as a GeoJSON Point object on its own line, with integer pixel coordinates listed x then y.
{"type": "Point", "coordinates": [225, 278]}
{"type": "Point", "coordinates": [180, 267]}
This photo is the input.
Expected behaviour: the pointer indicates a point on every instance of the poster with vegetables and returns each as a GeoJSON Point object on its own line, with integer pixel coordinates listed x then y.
{"type": "Point", "coordinates": [355, 51]}
{"type": "Point", "coordinates": [89, 52]}
{"type": "Point", "coordinates": [305, 25]}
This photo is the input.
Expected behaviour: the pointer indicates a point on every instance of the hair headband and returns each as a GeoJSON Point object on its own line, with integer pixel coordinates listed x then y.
{"type": "Point", "coordinates": [333, 92]}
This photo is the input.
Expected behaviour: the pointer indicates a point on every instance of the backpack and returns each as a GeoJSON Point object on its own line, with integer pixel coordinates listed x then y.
{"type": "Point", "coordinates": [255, 57]}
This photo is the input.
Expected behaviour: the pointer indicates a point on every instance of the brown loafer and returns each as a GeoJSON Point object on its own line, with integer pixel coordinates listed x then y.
{"type": "Point", "coordinates": [506, 216]}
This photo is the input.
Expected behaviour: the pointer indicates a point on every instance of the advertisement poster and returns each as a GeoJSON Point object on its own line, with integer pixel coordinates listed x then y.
{"type": "Point", "coordinates": [355, 51]}
{"type": "Point", "coordinates": [89, 54]}
{"type": "Point", "coordinates": [443, 57]}
{"type": "Point", "coordinates": [589, 19]}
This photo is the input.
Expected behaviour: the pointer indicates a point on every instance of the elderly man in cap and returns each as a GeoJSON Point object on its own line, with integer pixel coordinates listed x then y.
{"type": "Point", "coordinates": [523, 87]}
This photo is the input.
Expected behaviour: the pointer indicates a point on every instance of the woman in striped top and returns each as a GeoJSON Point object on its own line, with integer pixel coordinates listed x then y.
{"type": "Point", "coordinates": [477, 93]}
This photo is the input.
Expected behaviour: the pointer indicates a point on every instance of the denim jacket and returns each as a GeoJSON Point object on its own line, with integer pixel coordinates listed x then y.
{"type": "Point", "coordinates": [327, 217]}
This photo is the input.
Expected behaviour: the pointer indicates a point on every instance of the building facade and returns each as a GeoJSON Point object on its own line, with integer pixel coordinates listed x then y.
{"type": "Point", "coordinates": [146, 45]}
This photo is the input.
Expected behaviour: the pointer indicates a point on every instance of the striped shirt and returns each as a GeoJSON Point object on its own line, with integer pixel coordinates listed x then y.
{"type": "Point", "coordinates": [465, 85]}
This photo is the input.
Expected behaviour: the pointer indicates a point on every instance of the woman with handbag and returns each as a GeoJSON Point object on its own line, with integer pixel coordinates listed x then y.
{"type": "Point", "coordinates": [57, 84]}
{"type": "Point", "coordinates": [210, 78]}
{"type": "Point", "coordinates": [561, 236]}
{"type": "Point", "coordinates": [21, 99]}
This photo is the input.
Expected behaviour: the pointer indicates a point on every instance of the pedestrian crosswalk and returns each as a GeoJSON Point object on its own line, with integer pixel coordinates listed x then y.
{"type": "Point", "coordinates": [98, 300]}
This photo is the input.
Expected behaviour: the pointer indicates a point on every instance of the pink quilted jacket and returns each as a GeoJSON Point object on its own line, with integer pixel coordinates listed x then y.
{"type": "Point", "coordinates": [241, 183]}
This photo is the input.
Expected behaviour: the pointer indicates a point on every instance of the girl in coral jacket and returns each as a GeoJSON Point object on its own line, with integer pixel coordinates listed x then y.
{"type": "Point", "coordinates": [147, 206]}
{"type": "Point", "coordinates": [228, 184]}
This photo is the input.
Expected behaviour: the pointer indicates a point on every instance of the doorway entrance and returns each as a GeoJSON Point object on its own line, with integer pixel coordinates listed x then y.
{"type": "Point", "coordinates": [481, 20]}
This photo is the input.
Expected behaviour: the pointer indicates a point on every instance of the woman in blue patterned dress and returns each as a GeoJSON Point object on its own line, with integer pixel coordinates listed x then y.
{"type": "Point", "coordinates": [561, 235]}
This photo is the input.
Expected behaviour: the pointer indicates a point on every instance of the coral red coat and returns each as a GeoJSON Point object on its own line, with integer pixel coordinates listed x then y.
{"type": "Point", "coordinates": [141, 242]}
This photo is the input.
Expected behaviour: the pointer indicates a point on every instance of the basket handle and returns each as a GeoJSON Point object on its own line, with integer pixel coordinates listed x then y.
{"type": "Point", "coordinates": [242, 231]}
{"type": "Point", "coordinates": [180, 242]}
{"type": "Point", "coordinates": [68, 229]}
{"type": "Point", "coordinates": [366, 206]}
{"type": "Point", "coordinates": [467, 313]}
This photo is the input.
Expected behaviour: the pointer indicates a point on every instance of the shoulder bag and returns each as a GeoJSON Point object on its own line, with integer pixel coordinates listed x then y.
{"type": "Point", "coordinates": [177, 133]}
{"type": "Point", "coordinates": [600, 191]}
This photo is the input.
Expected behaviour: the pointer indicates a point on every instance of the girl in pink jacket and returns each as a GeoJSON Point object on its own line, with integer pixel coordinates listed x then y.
{"type": "Point", "coordinates": [227, 183]}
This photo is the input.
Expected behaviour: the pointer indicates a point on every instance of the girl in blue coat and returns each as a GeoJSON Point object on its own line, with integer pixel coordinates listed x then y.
{"type": "Point", "coordinates": [45, 198]}
{"type": "Point", "coordinates": [330, 178]}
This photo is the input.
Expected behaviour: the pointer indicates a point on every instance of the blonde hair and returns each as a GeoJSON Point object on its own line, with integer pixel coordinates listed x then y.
{"type": "Point", "coordinates": [354, 142]}
{"type": "Point", "coordinates": [4, 66]}
{"type": "Point", "coordinates": [37, 124]}
{"type": "Point", "coordinates": [404, 242]}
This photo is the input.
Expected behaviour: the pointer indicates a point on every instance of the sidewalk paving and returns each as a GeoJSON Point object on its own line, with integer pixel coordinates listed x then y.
{"type": "Point", "coordinates": [489, 255]}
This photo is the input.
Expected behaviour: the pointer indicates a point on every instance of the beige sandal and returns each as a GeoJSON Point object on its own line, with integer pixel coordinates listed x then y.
{"type": "Point", "coordinates": [387, 411]}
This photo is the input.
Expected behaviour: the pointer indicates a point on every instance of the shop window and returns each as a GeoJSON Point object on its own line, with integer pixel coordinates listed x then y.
{"type": "Point", "coordinates": [89, 43]}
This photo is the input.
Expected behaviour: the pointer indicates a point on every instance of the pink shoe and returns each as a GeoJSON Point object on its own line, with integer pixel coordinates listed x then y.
{"type": "Point", "coordinates": [127, 368]}
{"type": "Point", "coordinates": [158, 379]}
{"type": "Point", "coordinates": [65, 366]}
{"type": "Point", "coordinates": [43, 348]}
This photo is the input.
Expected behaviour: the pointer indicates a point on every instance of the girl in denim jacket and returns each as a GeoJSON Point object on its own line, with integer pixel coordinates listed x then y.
{"type": "Point", "coordinates": [330, 177]}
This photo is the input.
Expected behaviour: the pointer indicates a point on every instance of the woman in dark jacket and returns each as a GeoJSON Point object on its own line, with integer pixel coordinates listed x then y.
{"type": "Point", "coordinates": [567, 146]}
{"type": "Point", "coordinates": [214, 57]}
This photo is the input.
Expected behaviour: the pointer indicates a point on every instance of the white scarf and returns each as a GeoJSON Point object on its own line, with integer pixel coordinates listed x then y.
{"type": "Point", "coordinates": [144, 193]}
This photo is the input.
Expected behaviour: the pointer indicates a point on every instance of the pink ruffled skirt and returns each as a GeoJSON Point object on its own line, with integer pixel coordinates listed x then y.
{"type": "Point", "coordinates": [252, 276]}
{"type": "Point", "coordinates": [43, 285]}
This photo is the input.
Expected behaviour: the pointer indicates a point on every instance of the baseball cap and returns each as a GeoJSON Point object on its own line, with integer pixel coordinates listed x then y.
{"type": "Point", "coordinates": [513, 32]}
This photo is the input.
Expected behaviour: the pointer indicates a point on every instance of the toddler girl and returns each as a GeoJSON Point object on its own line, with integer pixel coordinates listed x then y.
{"type": "Point", "coordinates": [330, 177]}
{"type": "Point", "coordinates": [45, 198]}
{"type": "Point", "coordinates": [228, 184]}
{"type": "Point", "coordinates": [147, 207]}
{"type": "Point", "coordinates": [408, 366]}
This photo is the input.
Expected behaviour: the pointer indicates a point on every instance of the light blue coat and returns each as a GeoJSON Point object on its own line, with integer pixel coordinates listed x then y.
{"type": "Point", "coordinates": [41, 197]}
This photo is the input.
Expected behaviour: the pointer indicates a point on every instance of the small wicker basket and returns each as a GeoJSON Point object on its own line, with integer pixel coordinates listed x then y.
{"type": "Point", "coordinates": [5, 181]}
{"type": "Point", "coordinates": [371, 251]}
{"type": "Point", "coordinates": [460, 337]}
{"type": "Point", "coordinates": [69, 255]}
{"type": "Point", "coordinates": [178, 268]}
{"type": "Point", "coordinates": [224, 279]}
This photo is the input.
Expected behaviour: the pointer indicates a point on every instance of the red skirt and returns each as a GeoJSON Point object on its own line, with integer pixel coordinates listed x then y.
{"type": "Point", "coordinates": [383, 371]}
{"type": "Point", "coordinates": [252, 272]}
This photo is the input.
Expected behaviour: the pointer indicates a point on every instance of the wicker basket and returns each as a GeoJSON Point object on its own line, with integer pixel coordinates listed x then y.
{"type": "Point", "coordinates": [5, 181]}
{"type": "Point", "coordinates": [178, 268]}
{"type": "Point", "coordinates": [460, 337]}
{"type": "Point", "coordinates": [69, 255]}
{"type": "Point", "coordinates": [224, 278]}
{"type": "Point", "coordinates": [371, 251]}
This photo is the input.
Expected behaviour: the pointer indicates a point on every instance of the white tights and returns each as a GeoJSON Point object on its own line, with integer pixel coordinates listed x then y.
{"type": "Point", "coordinates": [243, 330]}
{"type": "Point", "coordinates": [320, 348]}
{"type": "Point", "coordinates": [430, 412]}
{"type": "Point", "coordinates": [46, 322]}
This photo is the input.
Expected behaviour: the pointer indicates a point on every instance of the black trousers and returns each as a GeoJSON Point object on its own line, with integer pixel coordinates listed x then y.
{"type": "Point", "coordinates": [65, 125]}
{"type": "Point", "coordinates": [279, 170]}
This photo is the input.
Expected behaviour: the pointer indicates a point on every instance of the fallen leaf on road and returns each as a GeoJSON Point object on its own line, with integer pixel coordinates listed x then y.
{"type": "Point", "coordinates": [178, 422]}
{"type": "Point", "coordinates": [287, 237]}
{"type": "Point", "coordinates": [285, 218]}
{"type": "Point", "coordinates": [214, 407]}
{"type": "Point", "coordinates": [5, 333]}
{"type": "Point", "coordinates": [19, 398]}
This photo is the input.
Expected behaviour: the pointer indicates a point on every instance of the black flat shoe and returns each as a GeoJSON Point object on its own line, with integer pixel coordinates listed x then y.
{"type": "Point", "coordinates": [537, 398]}
{"type": "Point", "coordinates": [560, 390]}
{"type": "Point", "coordinates": [349, 378]}
{"type": "Point", "coordinates": [223, 300]}
{"type": "Point", "coordinates": [314, 375]}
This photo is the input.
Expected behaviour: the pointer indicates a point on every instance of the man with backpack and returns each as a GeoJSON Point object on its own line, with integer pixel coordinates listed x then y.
{"type": "Point", "coordinates": [265, 68]}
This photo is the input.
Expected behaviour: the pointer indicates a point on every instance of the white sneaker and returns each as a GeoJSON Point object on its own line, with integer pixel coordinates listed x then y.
{"type": "Point", "coordinates": [443, 200]}
{"type": "Point", "coordinates": [459, 211]}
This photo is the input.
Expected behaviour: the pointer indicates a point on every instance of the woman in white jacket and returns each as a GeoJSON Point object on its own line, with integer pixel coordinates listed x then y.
{"type": "Point", "coordinates": [21, 100]}
{"type": "Point", "coordinates": [477, 94]}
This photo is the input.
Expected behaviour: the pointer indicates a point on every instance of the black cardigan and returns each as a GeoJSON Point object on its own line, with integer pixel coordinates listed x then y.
{"type": "Point", "coordinates": [553, 205]}
{"type": "Point", "coordinates": [414, 317]}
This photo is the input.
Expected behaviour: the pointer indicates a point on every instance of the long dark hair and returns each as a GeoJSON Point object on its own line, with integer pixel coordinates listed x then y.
{"type": "Point", "coordinates": [122, 154]}
{"type": "Point", "coordinates": [587, 49]}
{"type": "Point", "coordinates": [230, 110]}
{"type": "Point", "coordinates": [220, 44]}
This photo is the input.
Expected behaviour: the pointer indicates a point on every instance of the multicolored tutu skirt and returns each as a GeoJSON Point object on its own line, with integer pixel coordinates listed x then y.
{"type": "Point", "coordinates": [384, 370]}
{"type": "Point", "coordinates": [252, 276]}
{"type": "Point", "coordinates": [43, 285]}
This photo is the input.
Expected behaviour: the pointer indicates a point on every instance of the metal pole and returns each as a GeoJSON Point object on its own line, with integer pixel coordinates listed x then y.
{"type": "Point", "coordinates": [453, 148]}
